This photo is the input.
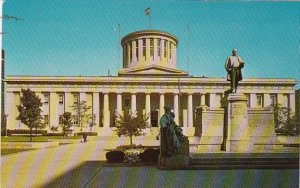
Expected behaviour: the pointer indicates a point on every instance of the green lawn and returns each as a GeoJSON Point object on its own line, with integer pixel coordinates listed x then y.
{"type": "Point", "coordinates": [6, 151]}
{"type": "Point", "coordinates": [35, 138]}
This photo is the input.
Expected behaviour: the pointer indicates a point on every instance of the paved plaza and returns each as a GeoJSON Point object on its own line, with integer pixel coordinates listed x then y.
{"type": "Point", "coordinates": [83, 165]}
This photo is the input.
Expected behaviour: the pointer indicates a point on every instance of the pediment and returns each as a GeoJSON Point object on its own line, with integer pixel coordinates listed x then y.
{"type": "Point", "coordinates": [152, 70]}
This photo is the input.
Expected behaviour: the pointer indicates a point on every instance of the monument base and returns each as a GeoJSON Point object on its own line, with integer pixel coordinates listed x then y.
{"type": "Point", "coordinates": [245, 146]}
{"type": "Point", "coordinates": [176, 160]}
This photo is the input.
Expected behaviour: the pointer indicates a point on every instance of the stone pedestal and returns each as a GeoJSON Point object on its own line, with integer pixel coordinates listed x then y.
{"type": "Point", "coordinates": [237, 137]}
{"type": "Point", "coordinates": [179, 159]}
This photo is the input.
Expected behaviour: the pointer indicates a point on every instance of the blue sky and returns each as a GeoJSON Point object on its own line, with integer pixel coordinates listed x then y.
{"type": "Point", "coordinates": [79, 37]}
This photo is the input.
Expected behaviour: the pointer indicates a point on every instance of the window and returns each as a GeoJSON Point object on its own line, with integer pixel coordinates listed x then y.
{"type": "Point", "coordinates": [137, 49]}
{"type": "Point", "coordinates": [60, 120]}
{"type": "Point", "coordinates": [144, 48]}
{"type": "Point", "coordinates": [152, 48]}
{"type": "Point", "coordinates": [46, 98]}
{"type": "Point", "coordinates": [127, 102]}
{"type": "Point", "coordinates": [248, 99]}
{"type": "Point", "coordinates": [165, 48]}
{"type": "Point", "coordinates": [273, 98]}
{"type": "Point", "coordinates": [75, 119]}
{"type": "Point", "coordinates": [259, 100]}
{"type": "Point", "coordinates": [61, 99]}
{"type": "Point", "coordinates": [46, 119]}
{"type": "Point", "coordinates": [124, 55]}
{"type": "Point", "coordinates": [158, 47]}
{"type": "Point", "coordinates": [170, 49]}
{"type": "Point", "coordinates": [76, 99]}
{"type": "Point", "coordinates": [130, 51]}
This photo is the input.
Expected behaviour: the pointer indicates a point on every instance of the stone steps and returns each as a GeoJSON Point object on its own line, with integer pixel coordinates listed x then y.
{"type": "Point", "coordinates": [228, 163]}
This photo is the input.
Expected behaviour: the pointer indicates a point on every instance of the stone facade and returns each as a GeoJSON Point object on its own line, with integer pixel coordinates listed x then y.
{"type": "Point", "coordinates": [148, 81]}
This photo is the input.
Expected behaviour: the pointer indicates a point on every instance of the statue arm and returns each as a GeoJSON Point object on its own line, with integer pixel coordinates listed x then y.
{"type": "Point", "coordinates": [226, 64]}
{"type": "Point", "coordinates": [242, 63]}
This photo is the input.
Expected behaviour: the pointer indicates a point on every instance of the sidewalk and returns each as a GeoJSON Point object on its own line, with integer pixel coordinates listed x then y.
{"type": "Point", "coordinates": [81, 165]}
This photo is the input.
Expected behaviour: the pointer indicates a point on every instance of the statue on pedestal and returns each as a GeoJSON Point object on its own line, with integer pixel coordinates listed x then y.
{"type": "Point", "coordinates": [233, 66]}
{"type": "Point", "coordinates": [174, 146]}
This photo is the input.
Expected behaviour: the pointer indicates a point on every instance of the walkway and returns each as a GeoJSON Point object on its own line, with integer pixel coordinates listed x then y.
{"type": "Point", "coordinates": [81, 165]}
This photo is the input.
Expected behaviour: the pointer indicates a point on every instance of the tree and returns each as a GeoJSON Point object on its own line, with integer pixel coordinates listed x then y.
{"type": "Point", "coordinates": [81, 110]}
{"type": "Point", "coordinates": [53, 129]}
{"type": "Point", "coordinates": [67, 122]}
{"type": "Point", "coordinates": [130, 125]}
{"type": "Point", "coordinates": [30, 110]}
{"type": "Point", "coordinates": [285, 121]}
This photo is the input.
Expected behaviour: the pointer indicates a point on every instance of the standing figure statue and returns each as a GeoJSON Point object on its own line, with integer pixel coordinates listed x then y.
{"type": "Point", "coordinates": [166, 147]}
{"type": "Point", "coordinates": [233, 66]}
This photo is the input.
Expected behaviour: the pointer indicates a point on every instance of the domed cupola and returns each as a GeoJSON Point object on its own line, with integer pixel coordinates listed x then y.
{"type": "Point", "coordinates": [150, 53]}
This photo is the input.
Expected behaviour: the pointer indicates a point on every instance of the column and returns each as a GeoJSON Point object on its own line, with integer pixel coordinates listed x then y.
{"type": "Point", "coordinates": [53, 115]}
{"type": "Point", "coordinates": [106, 115]}
{"type": "Point", "coordinates": [202, 99]}
{"type": "Point", "coordinates": [156, 59]}
{"type": "Point", "coordinates": [292, 103]}
{"type": "Point", "coordinates": [9, 105]}
{"type": "Point", "coordinates": [176, 108]}
{"type": "Point", "coordinates": [212, 100]}
{"type": "Point", "coordinates": [68, 102]}
{"type": "Point", "coordinates": [190, 110]}
{"type": "Point", "coordinates": [133, 104]}
{"type": "Point", "coordinates": [96, 108]}
{"type": "Point", "coordinates": [253, 102]}
{"type": "Point", "coordinates": [267, 100]}
{"type": "Point", "coordinates": [282, 99]}
{"type": "Point", "coordinates": [140, 50]}
{"type": "Point", "coordinates": [161, 104]}
{"type": "Point", "coordinates": [148, 108]}
{"type": "Point", "coordinates": [119, 104]}
{"type": "Point", "coordinates": [147, 50]}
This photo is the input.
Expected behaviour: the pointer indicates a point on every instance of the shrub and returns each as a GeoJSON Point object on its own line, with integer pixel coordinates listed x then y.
{"type": "Point", "coordinates": [24, 131]}
{"type": "Point", "coordinates": [149, 155]}
{"type": "Point", "coordinates": [88, 133]}
{"type": "Point", "coordinates": [115, 156]}
{"type": "Point", "coordinates": [53, 134]}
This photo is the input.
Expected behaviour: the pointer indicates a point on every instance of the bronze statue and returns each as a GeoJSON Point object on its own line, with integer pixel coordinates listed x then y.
{"type": "Point", "coordinates": [233, 66]}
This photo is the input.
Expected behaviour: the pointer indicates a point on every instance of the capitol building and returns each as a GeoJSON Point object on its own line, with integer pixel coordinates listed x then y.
{"type": "Point", "coordinates": [148, 81]}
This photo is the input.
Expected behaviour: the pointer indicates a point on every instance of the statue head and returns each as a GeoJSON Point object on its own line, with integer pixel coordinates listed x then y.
{"type": "Point", "coordinates": [234, 51]}
{"type": "Point", "coordinates": [167, 109]}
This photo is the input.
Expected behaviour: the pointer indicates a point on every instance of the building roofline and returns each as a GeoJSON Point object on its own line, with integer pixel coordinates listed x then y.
{"type": "Point", "coordinates": [146, 32]}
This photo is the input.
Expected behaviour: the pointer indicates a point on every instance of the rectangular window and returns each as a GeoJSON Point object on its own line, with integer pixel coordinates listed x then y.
{"type": "Point", "coordinates": [151, 48]}
{"type": "Point", "coordinates": [165, 48]}
{"type": "Point", "coordinates": [75, 119]}
{"type": "Point", "coordinates": [124, 55]}
{"type": "Point", "coordinates": [75, 99]}
{"type": "Point", "coordinates": [130, 51]}
{"type": "Point", "coordinates": [158, 47]}
{"type": "Point", "coordinates": [60, 120]}
{"type": "Point", "coordinates": [170, 50]}
{"type": "Point", "coordinates": [61, 99]}
{"type": "Point", "coordinates": [259, 100]}
{"type": "Point", "coordinates": [144, 48]}
{"type": "Point", "coordinates": [137, 49]}
{"type": "Point", "coordinates": [127, 102]}
{"type": "Point", "coordinates": [248, 99]}
{"type": "Point", "coordinates": [273, 98]}
{"type": "Point", "coordinates": [46, 98]}
{"type": "Point", "coordinates": [46, 119]}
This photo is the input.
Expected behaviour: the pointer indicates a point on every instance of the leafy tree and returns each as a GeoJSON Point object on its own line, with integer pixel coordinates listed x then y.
{"type": "Point", "coordinates": [30, 110]}
{"type": "Point", "coordinates": [81, 110]}
{"type": "Point", "coordinates": [53, 129]}
{"type": "Point", "coordinates": [67, 122]}
{"type": "Point", "coordinates": [285, 121]}
{"type": "Point", "coordinates": [130, 125]}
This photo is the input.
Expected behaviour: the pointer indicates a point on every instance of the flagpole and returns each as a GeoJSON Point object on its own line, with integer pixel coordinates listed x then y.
{"type": "Point", "coordinates": [119, 45]}
{"type": "Point", "coordinates": [188, 49]}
